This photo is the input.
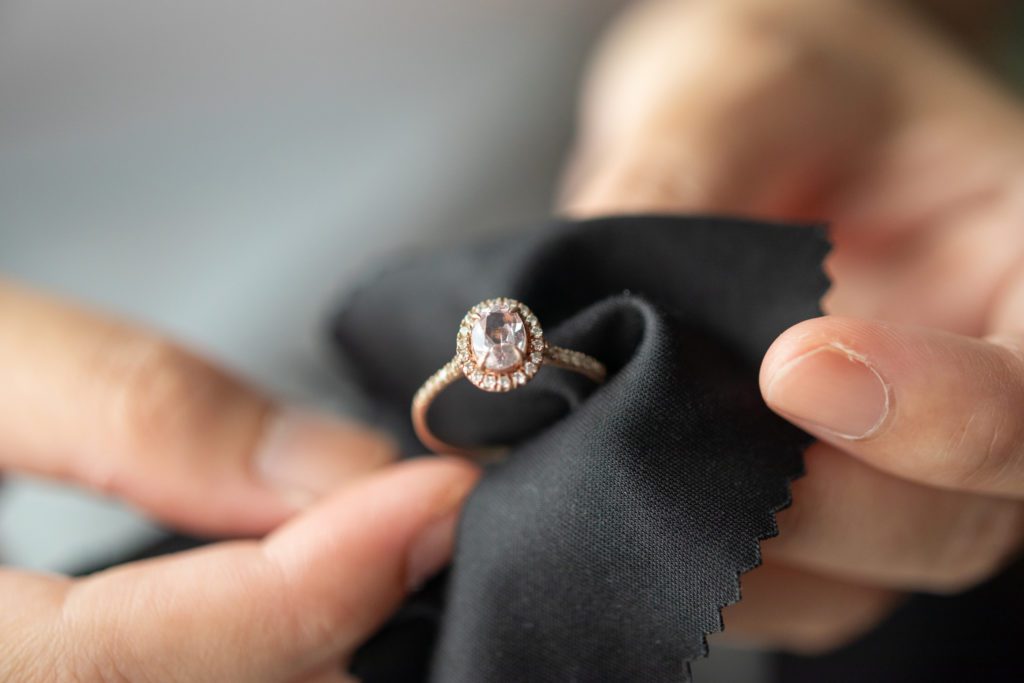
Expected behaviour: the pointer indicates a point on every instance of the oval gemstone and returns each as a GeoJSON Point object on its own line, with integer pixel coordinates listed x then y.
{"type": "Point", "coordinates": [499, 338]}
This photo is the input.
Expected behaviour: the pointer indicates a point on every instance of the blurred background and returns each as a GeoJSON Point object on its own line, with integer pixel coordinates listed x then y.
{"type": "Point", "coordinates": [222, 169]}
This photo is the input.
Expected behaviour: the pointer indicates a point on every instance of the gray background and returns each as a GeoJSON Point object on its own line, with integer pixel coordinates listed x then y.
{"type": "Point", "coordinates": [221, 170]}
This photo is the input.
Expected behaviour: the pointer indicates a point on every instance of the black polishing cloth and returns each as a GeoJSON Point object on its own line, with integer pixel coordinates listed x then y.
{"type": "Point", "coordinates": [605, 546]}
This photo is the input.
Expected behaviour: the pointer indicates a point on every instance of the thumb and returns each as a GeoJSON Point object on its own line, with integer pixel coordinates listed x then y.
{"type": "Point", "coordinates": [293, 607]}
{"type": "Point", "coordinates": [937, 408]}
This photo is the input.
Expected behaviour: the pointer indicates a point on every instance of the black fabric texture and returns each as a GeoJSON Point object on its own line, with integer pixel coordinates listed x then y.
{"type": "Point", "coordinates": [605, 545]}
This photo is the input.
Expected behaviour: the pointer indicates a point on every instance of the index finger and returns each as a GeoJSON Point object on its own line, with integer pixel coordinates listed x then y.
{"type": "Point", "coordinates": [125, 411]}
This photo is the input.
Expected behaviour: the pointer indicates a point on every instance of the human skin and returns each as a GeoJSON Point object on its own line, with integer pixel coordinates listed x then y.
{"type": "Point", "coordinates": [865, 115]}
{"type": "Point", "coordinates": [770, 108]}
{"type": "Point", "coordinates": [346, 533]}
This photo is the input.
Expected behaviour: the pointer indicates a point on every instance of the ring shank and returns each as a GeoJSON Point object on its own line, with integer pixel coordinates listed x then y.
{"type": "Point", "coordinates": [567, 359]}
{"type": "Point", "coordinates": [576, 361]}
{"type": "Point", "coordinates": [438, 382]}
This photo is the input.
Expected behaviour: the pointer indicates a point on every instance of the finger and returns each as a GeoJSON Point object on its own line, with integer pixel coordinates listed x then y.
{"type": "Point", "coordinates": [292, 607]}
{"type": "Point", "coordinates": [126, 412]}
{"type": "Point", "coordinates": [29, 603]}
{"type": "Point", "coordinates": [1007, 312]}
{"type": "Point", "coordinates": [933, 407]}
{"type": "Point", "coordinates": [854, 522]}
{"type": "Point", "coordinates": [952, 276]}
{"type": "Point", "coordinates": [667, 125]}
{"type": "Point", "coordinates": [798, 611]}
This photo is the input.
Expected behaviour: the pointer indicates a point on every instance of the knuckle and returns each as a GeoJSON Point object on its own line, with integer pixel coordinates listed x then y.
{"type": "Point", "coordinates": [971, 452]}
{"type": "Point", "coordinates": [986, 447]}
{"type": "Point", "coordinates": [701, 41]}
{"type": "Point", "coordinates": [784, 55]}
{"type": "Point", "coordinates": [154, 391]}
{"type": "Point", "coordinates": [150, 381]}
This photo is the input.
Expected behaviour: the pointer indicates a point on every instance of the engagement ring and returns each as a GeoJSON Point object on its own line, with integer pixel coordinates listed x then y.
{"type": "Point", "coordinates": [500, 346]}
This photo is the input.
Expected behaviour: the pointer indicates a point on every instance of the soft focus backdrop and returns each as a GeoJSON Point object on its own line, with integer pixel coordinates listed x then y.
{"type": "Point", "coordinates": [221, 169]}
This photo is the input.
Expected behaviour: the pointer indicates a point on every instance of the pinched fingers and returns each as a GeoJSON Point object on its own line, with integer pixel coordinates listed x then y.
{"type": "Point", "coordinates": [290, 608]}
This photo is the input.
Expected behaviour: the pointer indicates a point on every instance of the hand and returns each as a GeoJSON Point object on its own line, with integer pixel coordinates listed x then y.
{"type": "Point", "coordinates": [122, 411]}
{"type": "Point", "coordinates": [786, 109]}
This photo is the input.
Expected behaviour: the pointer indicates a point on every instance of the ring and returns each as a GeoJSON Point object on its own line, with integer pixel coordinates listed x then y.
{"type": "Point", "coordinates": [500, 346]}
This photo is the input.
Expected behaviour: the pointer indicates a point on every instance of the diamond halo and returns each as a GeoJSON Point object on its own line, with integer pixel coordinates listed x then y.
{"type": "Point", "coordinates": [500, 345]}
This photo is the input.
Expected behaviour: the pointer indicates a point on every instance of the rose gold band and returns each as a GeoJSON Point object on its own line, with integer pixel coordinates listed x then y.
{"type": "Point", "coordinates": [452, 371]}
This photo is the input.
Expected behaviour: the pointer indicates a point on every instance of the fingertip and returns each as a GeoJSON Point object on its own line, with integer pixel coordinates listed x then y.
{"type": "Point", "coordinates": [440, 484]}
{"type": "Point", "coordinates": [794, 342]}
{"type": "Point", "coordinates": [304, 454]}
{"type": "Point", "coordinates": [858, 337]}
{"type": "Point", "coordinates": [457, 465]}
{"type": "Point", "coordinates": [430, 550]}
{"type": "Point", "coordinates": [817, 376]}
{"type": "Point", "coordinates": [373, 520]}
{"type": "Point", "coordinates": [924, 404]}
{"type": "Point", "coordinates": [294, 458]}
{"type": "Point", "coordinates": [304, 597]}
{"type": "Point", "coordinates": [351, 558]}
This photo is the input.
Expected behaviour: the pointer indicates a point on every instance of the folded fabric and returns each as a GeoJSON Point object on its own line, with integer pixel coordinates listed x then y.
{"type": "Point", "coordinates": [606, 543]}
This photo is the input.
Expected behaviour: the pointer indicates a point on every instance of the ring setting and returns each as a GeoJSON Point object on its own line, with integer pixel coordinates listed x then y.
{"type": "Point", "coordinates": [500, 346]}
